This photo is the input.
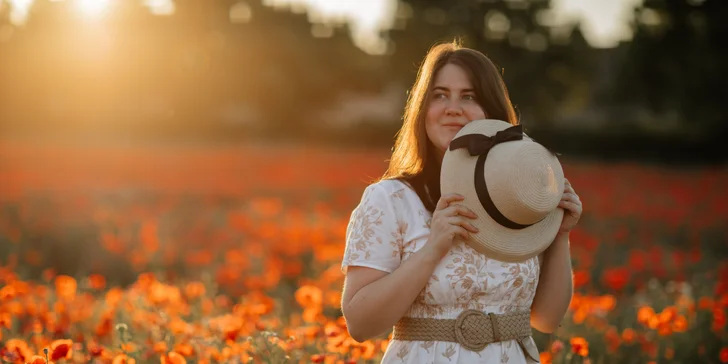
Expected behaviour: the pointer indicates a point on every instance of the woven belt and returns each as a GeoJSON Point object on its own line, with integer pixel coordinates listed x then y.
{"type": "Point", "coordinates": [472, 329]}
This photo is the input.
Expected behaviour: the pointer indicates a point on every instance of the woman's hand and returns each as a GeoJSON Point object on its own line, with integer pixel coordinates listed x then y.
{"type": "Point", "coordinates": [571, 204]}
{"type": "Point", "coordinates": [449, 220]}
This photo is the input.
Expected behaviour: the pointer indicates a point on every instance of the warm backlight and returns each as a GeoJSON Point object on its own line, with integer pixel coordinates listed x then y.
{"type": "Point", "coordinates": [92, 8]}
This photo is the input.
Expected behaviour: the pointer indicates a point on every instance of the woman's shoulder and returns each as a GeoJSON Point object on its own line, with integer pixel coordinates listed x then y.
{"type": "Point", "coordinates": [390, 187]}
{"type": "Point", "coordinates": [394, 195]}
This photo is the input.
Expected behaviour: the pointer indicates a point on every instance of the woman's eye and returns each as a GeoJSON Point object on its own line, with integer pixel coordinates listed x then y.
{"type": "Point", "coordinates": [440, 96]}
{"type": "Point", "coordinates": [469, 97]}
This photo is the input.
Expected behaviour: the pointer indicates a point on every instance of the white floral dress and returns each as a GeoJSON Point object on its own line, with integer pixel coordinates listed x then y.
{"type": "Point", "coordinates": [389, 224]}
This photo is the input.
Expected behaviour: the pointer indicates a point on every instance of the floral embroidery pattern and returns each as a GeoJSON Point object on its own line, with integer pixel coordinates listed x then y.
{"type": "Point", "coordinates": [467, 277]}
{"type": "Point", "coordinates": [425, 216]}
{"type": "Point", "coordinates": [421, 307]}
{"type": "Point", "coordinates": [449, 352]}
{"type": "Point", "coordinates": [403, 352]}
{"type": "Point", "coordinates": [398, 242]}
{"type": "Point", "coordinates": [369, 228]}
{"type": "Point", "coordinates": [364, 219]}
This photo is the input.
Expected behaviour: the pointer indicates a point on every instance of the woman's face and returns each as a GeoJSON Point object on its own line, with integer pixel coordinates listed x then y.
{"type": "Point", "coordinates": [451, 105]}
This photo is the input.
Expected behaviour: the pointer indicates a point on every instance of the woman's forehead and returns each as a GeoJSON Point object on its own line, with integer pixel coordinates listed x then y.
{"type": "Point", "coordinates": [452, 77]}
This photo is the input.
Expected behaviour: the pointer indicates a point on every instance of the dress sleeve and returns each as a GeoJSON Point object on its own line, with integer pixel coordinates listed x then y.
{"type": "Point", "coordinates": [374, 235]}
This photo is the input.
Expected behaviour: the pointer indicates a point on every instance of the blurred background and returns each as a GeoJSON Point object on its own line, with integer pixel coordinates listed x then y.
{"type": "Point", "coordinates": [627, 78]}
{"type": "Point", "coordinates": [172, 163]}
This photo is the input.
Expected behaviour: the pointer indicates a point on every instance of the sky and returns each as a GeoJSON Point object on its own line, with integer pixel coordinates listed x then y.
{"type": "Point", "coordinates": [604, 22]}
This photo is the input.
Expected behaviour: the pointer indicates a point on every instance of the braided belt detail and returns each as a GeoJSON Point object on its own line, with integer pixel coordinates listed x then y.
{"type": "Point", "coordinates": [472, 329]}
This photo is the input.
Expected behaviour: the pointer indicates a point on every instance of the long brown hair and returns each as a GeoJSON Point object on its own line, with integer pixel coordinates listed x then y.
{"type": "Point", "coordinates": [413, 157]}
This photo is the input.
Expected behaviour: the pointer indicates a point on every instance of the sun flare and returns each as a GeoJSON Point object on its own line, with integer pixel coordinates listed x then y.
{"type": "Point", "coordinates": [92, 8]}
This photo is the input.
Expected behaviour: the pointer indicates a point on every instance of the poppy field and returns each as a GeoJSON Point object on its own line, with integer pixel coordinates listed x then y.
{"type": "Point", "coordinates": [231, 254]}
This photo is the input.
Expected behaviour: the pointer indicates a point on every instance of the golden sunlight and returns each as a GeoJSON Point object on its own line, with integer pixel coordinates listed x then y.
{"type": "Point", "coordinates": [92, 8]}
{"type": "Point", "coordinates": [19, 10]}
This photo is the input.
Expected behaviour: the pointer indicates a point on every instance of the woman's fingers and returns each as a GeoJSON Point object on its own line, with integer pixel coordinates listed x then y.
{"type": "Point", "coordinates": [456, 215]}
{"type": "Point", "coordinates": [568, 187]}
{"type": "Point", "coordinates": [463, 233]}
{"type": "Point", "coordinates": [455, 210]}
{"type": "Point", "coordinates": [446, 200]}
{"type": "Point", "coordinates": [571, 206]}
{"type": "Point", "coordinates": [568, 196]}
{"type": "Point", "coordinates": [459, 221]}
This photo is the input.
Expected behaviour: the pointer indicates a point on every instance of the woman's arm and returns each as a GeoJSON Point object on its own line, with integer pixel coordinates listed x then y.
{"type": "Point", "coordinates": [555, 287]}
{"type": "Point", "coordinates": [373, 301]}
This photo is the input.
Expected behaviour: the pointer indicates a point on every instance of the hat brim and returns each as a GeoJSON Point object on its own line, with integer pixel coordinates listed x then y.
{"type": "Point", "coordinates": [494, 240]}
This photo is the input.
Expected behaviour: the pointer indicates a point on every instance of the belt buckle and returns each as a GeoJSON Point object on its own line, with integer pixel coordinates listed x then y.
{"type": "Point", "coordinates": [475, 339]}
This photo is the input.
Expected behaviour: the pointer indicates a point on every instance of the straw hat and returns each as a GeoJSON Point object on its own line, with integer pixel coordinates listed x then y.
{"type": "Point", "coordinates": [511, 182]}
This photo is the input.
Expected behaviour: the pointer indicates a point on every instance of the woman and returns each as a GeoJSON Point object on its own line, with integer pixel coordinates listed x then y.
{"type": "Point", "coordinates": [401, 259]}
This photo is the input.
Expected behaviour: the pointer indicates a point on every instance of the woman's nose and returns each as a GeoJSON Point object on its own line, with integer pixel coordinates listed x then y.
{"type": "Point", "coordinates": [453, 108]}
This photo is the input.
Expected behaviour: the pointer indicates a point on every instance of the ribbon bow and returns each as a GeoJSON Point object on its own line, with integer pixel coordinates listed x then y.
{"type": "Point", "coordinates": [479, 144]}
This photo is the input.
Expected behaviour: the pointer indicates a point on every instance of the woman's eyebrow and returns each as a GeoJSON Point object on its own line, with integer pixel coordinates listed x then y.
{"type": "Point", "coordinates": [443, 88]}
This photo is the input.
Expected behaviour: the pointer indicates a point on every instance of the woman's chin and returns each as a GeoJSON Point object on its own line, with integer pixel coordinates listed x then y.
{"type": "Point", "coordinates": [449, 139]}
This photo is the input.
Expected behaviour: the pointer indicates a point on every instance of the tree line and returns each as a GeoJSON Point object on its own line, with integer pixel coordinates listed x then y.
{"type": "Point", "coordinates": [241, 69]}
